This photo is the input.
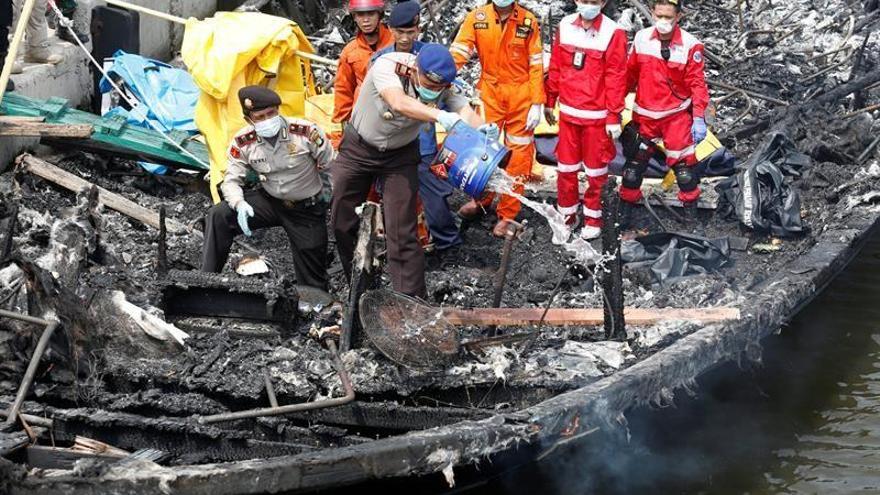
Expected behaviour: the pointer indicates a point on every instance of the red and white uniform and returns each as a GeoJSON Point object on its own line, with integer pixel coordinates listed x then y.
{"type": "Point", "coordinates": [669, 94]}
{"type": "Point", "coordinates": [587, 77]}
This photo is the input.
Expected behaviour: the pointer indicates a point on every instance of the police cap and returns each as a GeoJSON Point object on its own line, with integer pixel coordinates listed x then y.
{"type": "Point", "coordinates": [404, 14]}
{"type": "Point", "coordinates": [436, 63]}
{"type": "Point", "coordinates": [255, 98]}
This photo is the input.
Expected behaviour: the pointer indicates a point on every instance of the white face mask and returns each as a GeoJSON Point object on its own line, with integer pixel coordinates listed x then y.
{"type": "Point", "coordinates": [589, 12]}
{"type": "Point", "coordinates": [664, 26]}
{"type": "Point", "coordinates": [270, 127]}
{"type": "Point", "coordinates": [503, 3]}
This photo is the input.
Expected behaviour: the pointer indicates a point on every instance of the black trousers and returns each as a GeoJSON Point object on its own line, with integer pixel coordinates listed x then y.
{"type": "Point", "coordinates": [356, 167]}
{"type": "Point", "coordinates": [5, 24]}
{"type": "Point", "coordinates": [305, 224]}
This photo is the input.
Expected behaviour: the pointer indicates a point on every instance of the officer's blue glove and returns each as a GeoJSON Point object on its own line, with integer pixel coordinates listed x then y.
{"type": "Point", "coordinates": [447, 119]}
{"type": "Point", "coordinates": [491, 131]}
{"type": "Point", "coordinates": [698, 129]}
{"type": "Point", "coordinates": [244, 211]}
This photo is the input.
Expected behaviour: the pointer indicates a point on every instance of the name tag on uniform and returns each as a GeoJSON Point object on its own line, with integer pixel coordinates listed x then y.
{"type": "Point", "coordinates": [578, 60]}
{"type": "Point", "coordinates": [258, 160]}
{"type": "Point", "coordinates": [481, 25]}
{"type": "Point", "coordinates": [523, 31]}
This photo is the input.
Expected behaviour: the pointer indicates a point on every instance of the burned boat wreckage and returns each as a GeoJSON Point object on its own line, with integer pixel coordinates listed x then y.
{"type": "Point", "coordinates": [124, 370]}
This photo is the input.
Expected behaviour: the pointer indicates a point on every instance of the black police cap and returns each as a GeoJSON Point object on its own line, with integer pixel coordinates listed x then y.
{"type": "Point", "coordinates": [404, 14]}
{"type": "Point", "coordinates": [255, 98]}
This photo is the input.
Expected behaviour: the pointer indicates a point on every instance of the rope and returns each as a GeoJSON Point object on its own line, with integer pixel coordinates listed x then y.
{"type": "Point", "coordinates": [135, 105]}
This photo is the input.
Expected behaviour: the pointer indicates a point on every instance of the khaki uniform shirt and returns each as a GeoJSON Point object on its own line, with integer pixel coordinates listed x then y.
{"type": "Point", "coordinates": [374, 120]}
{"type": "Point", "coordinates": [287, 170]}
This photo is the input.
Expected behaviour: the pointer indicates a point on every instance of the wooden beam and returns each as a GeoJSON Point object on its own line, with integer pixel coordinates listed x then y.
{"type": "Point", "coordinates": [580, 317]}
{"type": "Point", "coordinates": [40, 129]}
{"type": "Point", "coordinates": [109, 199]}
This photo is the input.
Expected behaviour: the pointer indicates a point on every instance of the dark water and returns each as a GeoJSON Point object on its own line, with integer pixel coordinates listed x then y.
{"type": "Point", "coordinates": [804, 421]}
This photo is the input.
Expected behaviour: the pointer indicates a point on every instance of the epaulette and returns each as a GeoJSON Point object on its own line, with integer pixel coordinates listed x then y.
{"type": "Point", "coordinates": [403, 70]}
{"type": "Point", "coordinates": [301, 129]}
{"type": "Point", "coordinates": [246, 139]}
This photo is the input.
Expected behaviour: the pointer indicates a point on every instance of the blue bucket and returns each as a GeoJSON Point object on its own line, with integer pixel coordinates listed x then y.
{"type": "Point", "coordinates": [470, 159]}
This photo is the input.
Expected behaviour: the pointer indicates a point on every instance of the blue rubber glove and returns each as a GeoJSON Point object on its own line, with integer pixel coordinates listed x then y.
{"type": "Point", "coordinates": [491, 131]}
{"type": "Point", "coordinates": [244, 211]}
{"type": "Point", "coordinates": [448, 119]}
{"type": "Point", "coordinates": [698, 129]}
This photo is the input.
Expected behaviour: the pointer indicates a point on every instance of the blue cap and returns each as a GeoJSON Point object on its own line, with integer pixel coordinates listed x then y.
{"type": "Point", "coordinates": [404, 14]}
{"type": "Point", "coordinates": [436, 63]}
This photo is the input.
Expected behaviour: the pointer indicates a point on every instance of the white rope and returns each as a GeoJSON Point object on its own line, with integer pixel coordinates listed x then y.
{"type": "Point", "coordinates": [135, 105]}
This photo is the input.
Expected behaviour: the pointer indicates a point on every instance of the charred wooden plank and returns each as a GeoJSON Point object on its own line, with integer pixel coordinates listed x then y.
{"type": "Point", "coordinates": [390, 416]}
{"type": "Point", "coordinates": [195, 293]}
{"type": "Point", "coordinates": [362, 274]}
{"type": "Point", "coordinates": [111, 200]}
{"type": "Point", "coordinates": [580, 317]}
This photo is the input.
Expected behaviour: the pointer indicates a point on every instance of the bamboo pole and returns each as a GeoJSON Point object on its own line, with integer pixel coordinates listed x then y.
{"type": "Point", "coordinates": [180, 20]}
{"type": "Point", "coordinates": [26, 11]}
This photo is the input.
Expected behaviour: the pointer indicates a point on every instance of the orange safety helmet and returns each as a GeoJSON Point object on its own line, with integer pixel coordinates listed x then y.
{"type": "Point", "coordinates": [366, 5]}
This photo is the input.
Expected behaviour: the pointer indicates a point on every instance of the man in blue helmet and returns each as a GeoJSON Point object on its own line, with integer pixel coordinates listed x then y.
{"type": "Point", "coordinates": [433, 191]}
{"type": "Point", "coordinates": [381, 141]}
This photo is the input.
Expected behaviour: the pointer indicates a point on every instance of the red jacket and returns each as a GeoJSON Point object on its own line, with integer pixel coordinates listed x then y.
{"type": "Point", "coordinates": [665, 87]}
{"type": "Point", "coordinates": [596, 91]}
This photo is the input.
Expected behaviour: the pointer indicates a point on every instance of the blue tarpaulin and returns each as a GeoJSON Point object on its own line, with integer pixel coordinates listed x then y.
{"type": "Point", "coordinates": [167, 94]}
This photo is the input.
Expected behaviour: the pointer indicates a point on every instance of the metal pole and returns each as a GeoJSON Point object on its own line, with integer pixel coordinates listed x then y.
{"type": "Point", "coordinates": [309, 406]}
{"type": "Point", "coordinates": [180, 20]}
{"type": "Point", "coordinates": [12, 414]}
{"type": "Point", "coordinates": [23, 18]}
{"type": "Point", "coordinates": [501, 275]}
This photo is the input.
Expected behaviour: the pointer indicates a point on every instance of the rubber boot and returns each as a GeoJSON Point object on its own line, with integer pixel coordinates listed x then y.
{"type": "Point", "coordinates": [42, 55]}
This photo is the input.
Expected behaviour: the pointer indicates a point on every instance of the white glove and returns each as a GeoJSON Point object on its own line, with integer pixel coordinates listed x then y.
{"type": "Point", "coordinates": [244, 211]}
{"type": "Point", "coordinates": [613, 131]}
{"type": "Point", "coordinates": [534, 117]}
{"type": "Point", "coordinates": [447, 119]}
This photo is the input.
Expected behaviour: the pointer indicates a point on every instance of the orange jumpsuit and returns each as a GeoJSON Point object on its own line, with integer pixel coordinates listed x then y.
{"type": "Point", "coordinates": [512, 59]}
{"type": "Point", "coordinates": [353, 64]}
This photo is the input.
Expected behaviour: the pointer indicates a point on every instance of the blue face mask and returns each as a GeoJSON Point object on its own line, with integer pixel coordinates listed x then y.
{"type": "Point", "coordinates": [589, 12]}
{"type": "Point", "coordinates": [503, 3]}
{"type": "Point", "coordinates": [428, 94]}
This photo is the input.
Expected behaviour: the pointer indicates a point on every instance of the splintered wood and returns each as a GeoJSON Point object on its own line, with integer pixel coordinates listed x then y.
{"type": "Point", "coordinates": [35, 127]}
{"type": "Point", "coordinates": [580, 317]}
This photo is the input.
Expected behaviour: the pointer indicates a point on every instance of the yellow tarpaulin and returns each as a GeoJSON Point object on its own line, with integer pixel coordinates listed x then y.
{"type": "Point", "coordinates": [236, 49]}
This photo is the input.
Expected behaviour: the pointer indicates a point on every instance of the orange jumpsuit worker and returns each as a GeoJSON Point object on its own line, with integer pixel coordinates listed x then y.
{"type": "Point", "coordinates": [355, 57]}
{"type": "Point", "coordinates": [507, 39]}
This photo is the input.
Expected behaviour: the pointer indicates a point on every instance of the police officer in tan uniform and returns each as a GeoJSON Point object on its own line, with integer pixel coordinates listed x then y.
{"type": "Point", "coordinates": [286, 154]}
{"type": "Point", "coordinates": [400, 93]}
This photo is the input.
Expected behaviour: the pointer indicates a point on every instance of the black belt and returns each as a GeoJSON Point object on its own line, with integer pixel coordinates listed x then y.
{"type": "Point", "coordinates": [305, 202]}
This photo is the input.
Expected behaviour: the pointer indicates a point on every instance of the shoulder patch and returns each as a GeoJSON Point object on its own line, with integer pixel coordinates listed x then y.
{"type": "Point", "coordinates": [403, 70]}
{"type": "Point", "coordinates": [235, 152]}
{"type": "Point", "coordinates": [246, 139]}
{"type": "Point", "coordinates": [481, 25]}
{"type": "Point", "coordinates": [698, 56]}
